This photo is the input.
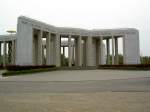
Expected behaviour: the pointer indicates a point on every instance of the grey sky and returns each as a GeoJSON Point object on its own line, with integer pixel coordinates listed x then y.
{"type": "Point", "coordinates": [89, 14]}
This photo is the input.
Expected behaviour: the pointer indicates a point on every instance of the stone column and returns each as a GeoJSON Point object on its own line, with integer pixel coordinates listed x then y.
{"type": "Point", "coordinates": [112, 50]}
{"type": "Point", "coordinates": [4, 54]}
{"type": "Point", "coordinates": [13, 52]}
{"type": "Point", "coordinates": [101, 51]}
{"type": "Point", "coordinates": [63, 51]}
{"type": "Point", "coordinates": [53, 51]}
{"type": "Point", "coordinates": [76, 51]}
{"type": "Point", "coordinates": [108, 51]}
{"type": "Point", "coordinates": [63, 55]}
{"type": "Point", "coordinates": [84, 54]}
{"type": "Point", "coordinates": [57, 49]}
{"type": "Point", "coordinates": [97, 46]}
{"type": "Point", "coordinates": [89, 51]}
{"type": "Point", "coordinates": [116, 52]}
{"type": "Point", "coordinates": [73, 53]}
{"type": "Point", "coordinates": [79, 47]}
{"type": "Point", "coordinates": [9, 56]}
{"type": "Point", "coordinates": [43, 57]}
{"type": "Point", "coordinates": [40, 58]}
{"type": "Point", "coordinates": [0, 52]}
{"type": "Point", "coordinates": [48, 50]}
{"type": "Point", "coordinates": [124, 49]}
{"type": "Point", "coordinates": [69, 50]}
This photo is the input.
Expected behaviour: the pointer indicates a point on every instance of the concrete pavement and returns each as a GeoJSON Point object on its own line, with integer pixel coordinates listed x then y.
{"type": "Point", "coordinates": [76, 91]}
{"type": "Point", "coordinates": [79, 75]}
{"type": "Point", "coordinates": [115, 85]}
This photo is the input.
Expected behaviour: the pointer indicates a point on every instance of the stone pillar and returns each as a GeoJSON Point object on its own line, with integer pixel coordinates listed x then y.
{"type": "Point", "coordinates": [79, 47]}
{"type": "Point", "coordinates": [63, 55]}
{"type": "Point", "coordinates": [57, 49]}
{"type": "Point", "coordinates": [48, 50]}
{"type": "Point", "coordinates": [124, 49]}
{"type": "Point", "coordinates": [112, 50]}
{"type": "Point", "coordinates": [76, 51]}
{"type": "Point", "coordinates": [4, 54]}
{"type": "Point", "coordinates": [40, 58]}
{"type": "Point", "coordinates": [43, 54]}
{"type": "Point", "coordinates": [0, 51]}
{"type": "Point", "coordinates": [52, 49]}
{"type": "Point", "coordinates": [9, 52]}
{"type": "Point", "coordinates": [63, 51]}
{"type": "Point", "coordinates": [89, 52]}
{"type": "Point", "coordinates": [13, 52]}
{"type": "Point", "coordinates": [69, 50]}
{"type": "Point", "coordinates": [108, 51]}
{"type": "Point", "coordinates": [131, 49]}
{"type": "Point", "coordinates": [73, 53]}
{"type": "Point", "coordinates": [1, 48]}
{"type": "Point", "coordinates": [84, 53]}
{"type": "Point", "coordinates": [97, 46]}
{"type": "Point", "coordinates": [116, 52]}
{"type": "Point", "coordinates": [101, 51]}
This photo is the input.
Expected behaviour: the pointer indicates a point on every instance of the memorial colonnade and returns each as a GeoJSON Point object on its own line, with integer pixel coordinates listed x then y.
{"type": "Point", "coordinates": [7, 49]}
{"type": "Point", "coordinates": [85, 47]}
{"type": "Point", "coordinates": [80, 49]}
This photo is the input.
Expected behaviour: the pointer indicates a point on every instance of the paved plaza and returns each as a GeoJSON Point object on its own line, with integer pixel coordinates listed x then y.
{"type": "Point", "coordinates": [76, 91]}
{"type": "Point", "coordinates": [79, 75]}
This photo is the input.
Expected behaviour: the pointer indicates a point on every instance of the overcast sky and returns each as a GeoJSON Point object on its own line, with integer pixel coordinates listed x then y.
{"type": "Point", "coordinates": [89, 14]}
